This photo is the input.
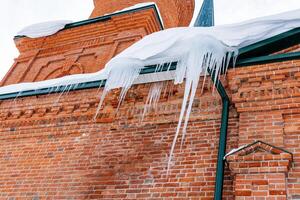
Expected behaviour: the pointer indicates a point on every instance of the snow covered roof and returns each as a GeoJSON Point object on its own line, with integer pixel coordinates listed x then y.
{"type": "Point", "coordinates": [51, 27]}
{"type": "Point", "coordinates": [173, 44]}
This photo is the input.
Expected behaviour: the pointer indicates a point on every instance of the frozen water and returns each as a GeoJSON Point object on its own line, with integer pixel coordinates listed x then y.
{"type": "Point", "coordinates": [234, 150]}
{"type": "Point", "coordinates": [153, 96]}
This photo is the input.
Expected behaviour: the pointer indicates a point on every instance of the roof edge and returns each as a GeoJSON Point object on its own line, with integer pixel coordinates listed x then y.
{"type": "Point", "coordinates": [146, 70]}
{"type": "Point", "coordinates": [270, 45]}
{"type": "Point", "coordinates": [108, 17]}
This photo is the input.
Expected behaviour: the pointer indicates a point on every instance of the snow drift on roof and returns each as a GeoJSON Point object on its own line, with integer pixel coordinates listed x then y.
{"type": "Point", "coordinates": [152, 48]}
{"type": "Point", "coordinates": [43, 29]}
{"type": "Point", "coordinates": [51, 27]}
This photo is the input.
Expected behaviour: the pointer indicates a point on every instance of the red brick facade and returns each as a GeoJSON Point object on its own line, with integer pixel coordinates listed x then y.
{"type": "Point", "coordinates": [83, 49]}
{"type": "Point", "coordinates": [174, 12]}
{"type": "Point", "coordinates": [51, 148]}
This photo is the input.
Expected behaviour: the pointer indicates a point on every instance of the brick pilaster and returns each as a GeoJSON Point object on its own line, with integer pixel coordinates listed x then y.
{"type": "Point", "coordinates": [260, 171]}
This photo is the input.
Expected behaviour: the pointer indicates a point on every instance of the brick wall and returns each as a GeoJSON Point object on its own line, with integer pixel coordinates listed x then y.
{"type": "Point", "coordinates": [84, 49]}
{"type": "Point", "coordinates": [267, 100]}
{"type": "Point", "coordinates": [174, 12]}
{"type": "Point", "coordinates": [50, 148]}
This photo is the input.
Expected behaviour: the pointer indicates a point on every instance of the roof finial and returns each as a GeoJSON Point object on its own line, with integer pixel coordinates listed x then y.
{"type": "Point", "coordinates": [206, 15]}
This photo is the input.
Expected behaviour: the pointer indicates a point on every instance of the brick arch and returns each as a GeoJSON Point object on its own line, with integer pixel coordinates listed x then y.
{"type": "Point", "coordinates": [75, 68]}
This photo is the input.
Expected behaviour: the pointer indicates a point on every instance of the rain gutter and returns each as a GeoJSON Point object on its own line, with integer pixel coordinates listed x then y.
{"type": "Point", "coordinates": [222, 138]}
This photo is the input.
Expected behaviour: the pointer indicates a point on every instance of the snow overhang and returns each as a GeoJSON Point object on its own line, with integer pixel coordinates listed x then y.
{"type": "Point", "coordinates": [259, 50]}
{"type": "Point", "coordinates": [278, 42]}
{"type": "Point", "coordinates": [149, 73]}
{"type": "Point", "coordinates": [109, 17]}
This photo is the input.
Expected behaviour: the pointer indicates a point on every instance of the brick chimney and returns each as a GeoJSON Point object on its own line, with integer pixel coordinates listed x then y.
{"type": "Point", "coordinates": [174, 12]}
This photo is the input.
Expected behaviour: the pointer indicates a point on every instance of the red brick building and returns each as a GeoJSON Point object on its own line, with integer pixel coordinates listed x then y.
{"type": "Point", "coordinates": [51, 148]}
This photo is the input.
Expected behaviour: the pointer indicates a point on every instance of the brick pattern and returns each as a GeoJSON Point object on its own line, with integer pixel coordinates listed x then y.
{"type": "Point", "coordinates": [260, 171]}
{"type": "Point", "coordinates": [174, 12]}
{"type": "Point", "coordinates": [291, 142]}
{"type": "Point", "coordinates": [83, 49]}
{"type": "Point", "coordinates": [52, 149]}
{"type": "Point", "coordinates": [267, 100]}
{"type": "Point", "coordinates": [260, 186]}
{"type": "Point", "coordinates": [292, 49]}
{"type": "Point", "coordinates": [266, 87]}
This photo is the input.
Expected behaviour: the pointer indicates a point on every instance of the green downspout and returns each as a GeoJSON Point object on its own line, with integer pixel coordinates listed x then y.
{"type": "Point", "coordinates": [222, 139]}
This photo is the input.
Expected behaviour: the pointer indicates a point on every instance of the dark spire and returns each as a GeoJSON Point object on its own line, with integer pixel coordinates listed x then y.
{"type": "Point", "coordinates": [206, 15]}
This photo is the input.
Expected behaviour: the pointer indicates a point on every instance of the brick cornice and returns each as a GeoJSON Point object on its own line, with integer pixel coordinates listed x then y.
{"type": "Point", "coordinates": [259, 157]}
{"type": "Point", "coordinates": [89, 47]}
{"type": "Point", "coordinates": [76, 104]}
{"type": "Point", "coordinates": [273, 86]}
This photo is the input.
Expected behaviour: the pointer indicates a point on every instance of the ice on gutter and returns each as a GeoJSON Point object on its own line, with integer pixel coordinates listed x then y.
{"type": "Point", "coordinates": [43, 29]}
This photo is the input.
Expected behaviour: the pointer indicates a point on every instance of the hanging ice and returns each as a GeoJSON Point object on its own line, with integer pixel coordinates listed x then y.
{"type": "Point", "coordinates": [194, 54]}
{"type": "Point", "coordinates": [235, 35]}
{"type": "Point", "coordinates": [153, 96]}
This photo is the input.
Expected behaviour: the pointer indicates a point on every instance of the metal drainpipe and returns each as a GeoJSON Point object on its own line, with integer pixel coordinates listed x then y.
{"type": "Point", "coordinates": [222, 140]}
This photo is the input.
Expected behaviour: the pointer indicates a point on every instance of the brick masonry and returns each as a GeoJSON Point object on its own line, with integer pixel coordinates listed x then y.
{"type": "Point", "coordinates": [83, 49]}
{"type": "Point", "coordinates": [174, 12]}
{"type": "Point", "coordinates": [51, 148]}
{"type": "Point", "coordinates": [267, 100]}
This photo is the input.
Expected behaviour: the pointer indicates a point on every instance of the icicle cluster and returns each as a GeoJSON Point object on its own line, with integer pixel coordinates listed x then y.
{"type": "Point", "coordinates": [195, 55]}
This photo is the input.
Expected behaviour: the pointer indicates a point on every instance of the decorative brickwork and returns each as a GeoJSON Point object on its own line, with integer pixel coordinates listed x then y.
{"type": "Point", "coordinates": [267, 100]}
{"type": "Point", "coordinates": [174, 12]}
{"type": "Point", "coordinates": [51, 147]}
{"type": "Point", "coordinates": [260, 171]}
{"type": "Point", "coordinates": [83, 49]}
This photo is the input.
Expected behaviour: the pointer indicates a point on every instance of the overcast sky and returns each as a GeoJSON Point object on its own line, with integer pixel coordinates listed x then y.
{"type": "Point", "coordinates": [15, 14]}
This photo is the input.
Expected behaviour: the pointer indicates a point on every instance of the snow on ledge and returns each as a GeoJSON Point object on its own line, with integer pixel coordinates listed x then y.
{"type": "Point", "coordinates": [234, 151]}
{"type": "Point", "coordinates": [137, 6]}
{"type": "Point", "coordinates": [51, 27]}
{"type": "Point", "coordinates": [43, 29]}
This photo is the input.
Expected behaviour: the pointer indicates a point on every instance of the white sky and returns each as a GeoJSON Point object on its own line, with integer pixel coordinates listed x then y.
{"type": "Point", "coordinates": [15, 14]}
